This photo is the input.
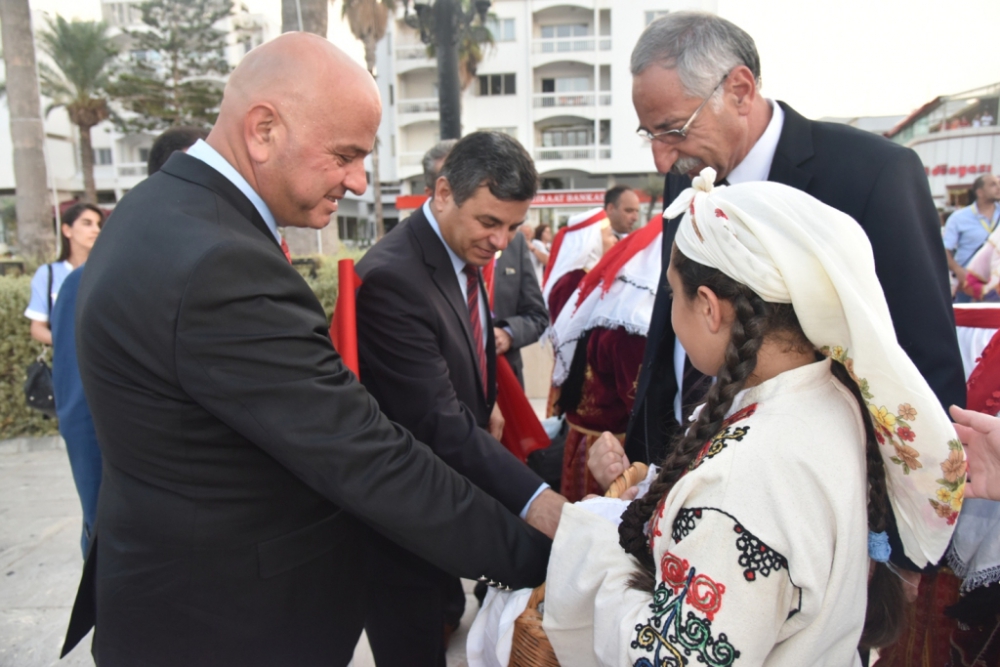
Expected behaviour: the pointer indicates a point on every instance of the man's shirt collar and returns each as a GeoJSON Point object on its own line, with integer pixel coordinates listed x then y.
{"type": "Point", "coordinates": [456, 261]}
{"type": "Point", "coordinates": [202, 151]}
{"type": "Point", "coordinates": [756, 166]}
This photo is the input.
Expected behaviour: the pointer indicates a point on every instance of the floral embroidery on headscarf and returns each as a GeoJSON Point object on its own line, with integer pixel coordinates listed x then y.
{"type": "Point", "coordinates": [895, 429]}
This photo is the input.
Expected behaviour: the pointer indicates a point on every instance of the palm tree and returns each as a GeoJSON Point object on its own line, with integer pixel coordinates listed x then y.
{"type": "Point", "coordinates": [313, 14]}
{"type": "Point", "coordinates": [81, 52]}
{"type": "Point", "coordinates": [368, 20]}
{"type": "Point", "coordinates": [474, 44]}
{"type": "Point", "coordinates": [36, 234]}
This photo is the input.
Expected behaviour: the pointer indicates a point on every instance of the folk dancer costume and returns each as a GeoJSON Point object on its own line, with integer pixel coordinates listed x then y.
{"type": "Point", "coordinates": [576, 249]}
{"type": "Point", "coordinates": [762, 547]}
{"type": "Point", "coordinates": [599, 341]}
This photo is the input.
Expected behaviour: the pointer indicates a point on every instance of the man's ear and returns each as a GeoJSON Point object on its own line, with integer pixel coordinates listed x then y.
{"type": "Point", "coordinates": [741, 85]}
{"type": "Point", "coordinates": [443, 194]}
{"type": "Point", "coordinates": [261, 128]}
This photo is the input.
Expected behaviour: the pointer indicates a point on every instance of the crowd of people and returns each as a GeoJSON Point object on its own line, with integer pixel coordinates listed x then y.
{"type": "Point", "coordinates": [777, 348]}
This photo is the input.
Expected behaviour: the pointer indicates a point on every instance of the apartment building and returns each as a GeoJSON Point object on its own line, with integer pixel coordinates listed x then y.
{"type": "Point", "coordinates": [557, 79]}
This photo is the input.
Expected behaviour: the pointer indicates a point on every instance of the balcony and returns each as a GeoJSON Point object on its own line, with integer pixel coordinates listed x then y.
{"type": "Point", "coordinates": [419, 105]}
{"type": "Point", "coordinates": [573, 153]}
{"type": "Point", "coordinates": [132, 169]}
{"type": "Point", "coordinates": [571, 44]}
{"type": "Point", "coordinates": [411, 159]}
{"type": "Point", "coordinates": [411, 52]}
{"type": "Point", "coordinates": [557, 100]}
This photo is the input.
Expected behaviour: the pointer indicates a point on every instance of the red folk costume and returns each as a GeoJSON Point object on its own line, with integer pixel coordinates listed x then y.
{"type": "Point", "coordinates": [576, 249]}
{"type": "Point", "coordinates": [609, 314]}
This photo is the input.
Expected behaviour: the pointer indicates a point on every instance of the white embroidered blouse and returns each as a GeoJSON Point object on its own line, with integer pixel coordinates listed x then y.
{"type": "Point", "coordinates": [761, 548]}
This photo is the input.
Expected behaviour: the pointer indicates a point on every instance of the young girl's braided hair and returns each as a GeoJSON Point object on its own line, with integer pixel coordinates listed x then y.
{"type": "Point", "coordinates": [755, 320]}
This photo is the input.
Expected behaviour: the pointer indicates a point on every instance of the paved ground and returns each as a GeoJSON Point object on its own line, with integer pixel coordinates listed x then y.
{"type": "Point", "coordinates": [40, 560]}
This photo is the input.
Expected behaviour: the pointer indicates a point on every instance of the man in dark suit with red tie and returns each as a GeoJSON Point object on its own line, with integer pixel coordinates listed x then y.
{"type": "Point", "coordinates": [428, 356]}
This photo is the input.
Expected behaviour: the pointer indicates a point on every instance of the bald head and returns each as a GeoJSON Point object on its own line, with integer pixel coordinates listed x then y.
{"type": "Point", "coordinates": [298, 117]}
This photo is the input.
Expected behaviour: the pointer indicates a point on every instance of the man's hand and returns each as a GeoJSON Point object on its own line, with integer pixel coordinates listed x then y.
{"type": "Point", "coordinates": [607, 459]}
{"type": "Point", "coordinates": [981, 436]}
{"type": "Point", "coordinates": [503, 340]}
{"type": "Point", "coordinates": [544, 512]}
{"type": "Point", "coordinates": [495, 427]}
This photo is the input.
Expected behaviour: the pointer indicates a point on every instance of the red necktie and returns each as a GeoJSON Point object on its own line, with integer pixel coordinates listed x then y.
{"type": "Point", "coordinates": [284, 249]}
{"type": "Point", "coordinates": [472, 296]}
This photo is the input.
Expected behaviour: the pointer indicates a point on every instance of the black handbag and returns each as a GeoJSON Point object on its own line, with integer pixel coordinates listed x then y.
{"type": "Point", "coordinates": [38, 393]}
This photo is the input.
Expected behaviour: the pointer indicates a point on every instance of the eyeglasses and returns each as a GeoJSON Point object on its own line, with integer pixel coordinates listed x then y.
{"type": "Point", "coordinates": [674, 137]}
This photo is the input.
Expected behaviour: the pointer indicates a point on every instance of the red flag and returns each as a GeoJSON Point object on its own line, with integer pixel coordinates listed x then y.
{"type": "Point", "coordinates": [344, 325]}
{"type": "Point", "coordinates": [558, 240]}
{"type": "Point", "coordinates": [522, 432]}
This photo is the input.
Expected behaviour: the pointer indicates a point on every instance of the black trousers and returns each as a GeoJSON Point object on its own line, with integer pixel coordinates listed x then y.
{"type": "Point", "coordinates": [409, 601]}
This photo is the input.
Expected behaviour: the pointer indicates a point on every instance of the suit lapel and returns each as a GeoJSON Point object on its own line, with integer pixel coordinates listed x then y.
{"type": "Point", "coordinates": [195, 171]}
{"type": "Point", "coordinates": [795, 148]}
{"type": "Point", "coordinates": [443, 274]}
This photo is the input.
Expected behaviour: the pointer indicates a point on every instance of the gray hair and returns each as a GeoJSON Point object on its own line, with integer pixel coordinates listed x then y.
{"type": "Point", "coordinates": [431, 158]}
{"type": "Point", "coordinates": [702, 47]}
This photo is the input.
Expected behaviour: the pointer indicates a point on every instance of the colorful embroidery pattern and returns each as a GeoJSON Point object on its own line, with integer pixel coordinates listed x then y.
{"type": "Point", "coordinates": [673, 637]}
{"type": "Point", "coordinates": [755, 556]}
{"type": "Point", "coordinates": [718, 443]}
{"type": "Point", "coordinates": [895, 429]}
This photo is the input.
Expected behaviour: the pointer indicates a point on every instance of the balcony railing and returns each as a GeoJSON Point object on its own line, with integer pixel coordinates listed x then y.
{"type": "Point", "coordinates": [415, 52]}
{"type": "Point", "coordinates": [571, 44]}
{"type": "Point", "coordinates": [411, 159]}
{"type": "Point", "coordinates": [543, 100]}
{"type": "Point", "coordinates": [131, 169]}
{"type": "Point", "coordinates": [419, 105]}
{"type": "Point", "coordinates": [573, 153]}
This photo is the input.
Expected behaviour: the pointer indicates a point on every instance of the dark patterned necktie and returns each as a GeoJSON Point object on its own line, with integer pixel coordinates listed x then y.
{"type": "Point", "coordinates": [475, 323]}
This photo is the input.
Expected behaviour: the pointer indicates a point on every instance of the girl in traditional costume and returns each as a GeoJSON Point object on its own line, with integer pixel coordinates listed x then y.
{"type": "Point", "coordinates": [762, 539]}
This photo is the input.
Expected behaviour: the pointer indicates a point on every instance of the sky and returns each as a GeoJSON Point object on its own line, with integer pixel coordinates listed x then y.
{"type": "Point", "coordinates": [841, 58]}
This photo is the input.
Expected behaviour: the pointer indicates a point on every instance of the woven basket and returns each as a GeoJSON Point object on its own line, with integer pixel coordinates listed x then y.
{"type": "Point", "coordinates": [531, 648]}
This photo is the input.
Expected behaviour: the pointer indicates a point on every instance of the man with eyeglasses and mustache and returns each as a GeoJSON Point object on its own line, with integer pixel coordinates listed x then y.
{"type": "Point", "coordinates": [696, 91]}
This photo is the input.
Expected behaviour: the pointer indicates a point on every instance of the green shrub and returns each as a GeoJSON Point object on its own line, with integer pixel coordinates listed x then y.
{"type": "Point", "coordinates": [17, 350]}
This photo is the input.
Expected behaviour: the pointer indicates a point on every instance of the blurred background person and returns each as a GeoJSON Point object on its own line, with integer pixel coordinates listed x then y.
{"type": "Point", "coordinates": [81, 223]}
{"type": "Point", "coordinates": [179, 138]}
{"type": "Point", "coordinates": [968, 229]}
{"type": "Point", "coordinates": [540, 247]}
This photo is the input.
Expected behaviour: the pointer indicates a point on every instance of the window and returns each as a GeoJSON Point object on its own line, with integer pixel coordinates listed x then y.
{"type": "Point", "coordinates": [392, 94]}
{"type": "Point", "coordinates": [652, 16]}
{"type": "Point", "coordinates": [497, 84]}
{"type": "Point", "coordinates": [501, 29]}
{"type": "Point", "coordinates": [567, 136]}
{"type": "Point", "coordinates": [565, 30]}
{"type": "Point", "coordinates": [143, 155]}
{"type": "Point", "coordinates": [102, 156]}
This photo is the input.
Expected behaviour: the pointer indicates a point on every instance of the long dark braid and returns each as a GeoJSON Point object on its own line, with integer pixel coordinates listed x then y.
{"type": "Point", "coordinates": [884, 615]}
{"type": "Point", "coordinates": [740, 361]}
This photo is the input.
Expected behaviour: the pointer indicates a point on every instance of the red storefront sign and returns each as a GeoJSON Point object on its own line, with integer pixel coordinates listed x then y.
{"type": "Point", "coordinates": [544, 199]}
{"type": "Point", "coordinates": [960, 171]}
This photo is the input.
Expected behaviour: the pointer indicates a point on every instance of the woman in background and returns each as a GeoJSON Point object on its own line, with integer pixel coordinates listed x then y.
{"type": "Point", "coordinates": [540, 247]}
{"type": "Point", "coordinates": [81, 223]}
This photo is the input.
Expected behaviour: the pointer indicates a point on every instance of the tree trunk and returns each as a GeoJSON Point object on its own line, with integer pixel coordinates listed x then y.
{"type": "Point", "coordinates": [449, 87]}
{"type": "Point", "coordinates": [36, 234]}
{"type": "Point", "coordinates": [314, 16]}
{"type": "Point", "coordinates": [87, 164]}
{"type": "Point", "coordinates": [370, 45]}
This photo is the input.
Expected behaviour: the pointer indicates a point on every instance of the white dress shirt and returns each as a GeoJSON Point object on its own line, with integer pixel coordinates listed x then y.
{"type": "Point", "coordinates": [459, 264]}
{"type": "Point", "coordinates": [756, 166]}
{"type": "Point", "coordinates": [202, 151]}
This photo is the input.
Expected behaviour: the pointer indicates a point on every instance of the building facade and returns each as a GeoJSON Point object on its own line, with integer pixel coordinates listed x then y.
{"type": "Point", "coordinates": [957, 139]}
{"type": "Point", "coordinates": [557, 79]}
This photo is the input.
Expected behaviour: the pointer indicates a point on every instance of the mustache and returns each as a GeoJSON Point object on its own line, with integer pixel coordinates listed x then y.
{"type": "Point", "coordinates": [684, 165]}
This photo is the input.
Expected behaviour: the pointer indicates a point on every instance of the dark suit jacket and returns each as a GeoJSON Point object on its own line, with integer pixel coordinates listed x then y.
{"type": "Point", "coordinates": [881, 185]}
{"type": "Point", "coordinates": [517, 300]}
{"type": "Point", "coordinates": [417, 359]}
{"type": "Point", "coordinates": [241, 459]}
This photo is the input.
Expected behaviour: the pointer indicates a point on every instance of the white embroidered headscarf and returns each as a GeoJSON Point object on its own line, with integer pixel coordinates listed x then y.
{"type": "Point", "coordinates": [789, 247]}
